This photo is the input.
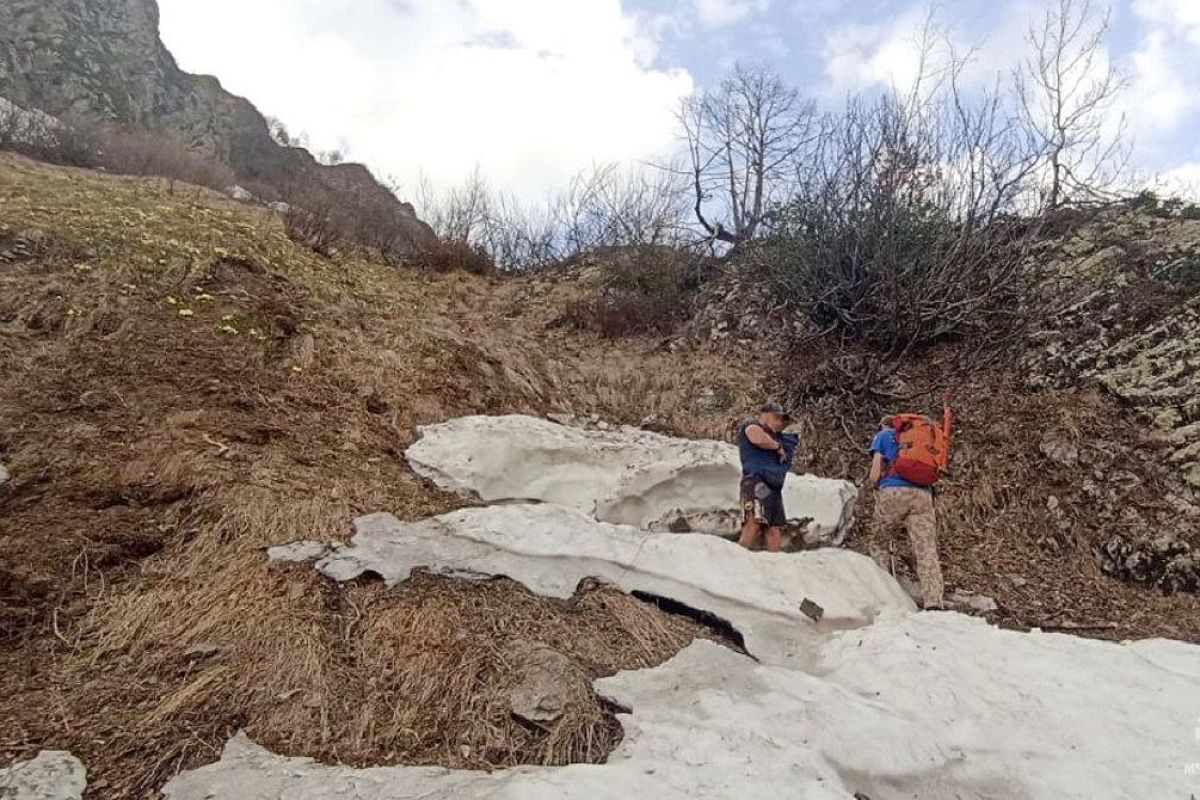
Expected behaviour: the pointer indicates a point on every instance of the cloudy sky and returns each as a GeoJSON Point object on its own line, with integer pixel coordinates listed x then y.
{"type": "Point", "coordinates": [534, 90]}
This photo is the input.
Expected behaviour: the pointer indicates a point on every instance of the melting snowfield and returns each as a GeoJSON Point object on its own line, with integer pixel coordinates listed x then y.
{"type": "Point", "coordinates": [550, 549]}
{"type": "Point", "coordinates": [914, 706]}
{"type": "Point", "coordinates": [627, 476]}
{"type": "Point", "coordinates": [869, 699]}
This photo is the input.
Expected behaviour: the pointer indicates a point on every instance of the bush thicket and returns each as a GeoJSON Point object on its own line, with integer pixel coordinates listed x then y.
{"type": "Point", "coordinates": [646, 290]}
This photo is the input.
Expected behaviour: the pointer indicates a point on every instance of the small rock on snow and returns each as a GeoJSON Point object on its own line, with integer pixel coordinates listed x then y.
{"type": "Point", "coordinates": [973, 603]}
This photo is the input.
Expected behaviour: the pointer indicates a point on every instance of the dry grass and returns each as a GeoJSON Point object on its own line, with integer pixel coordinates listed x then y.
{"type": "Point", "coordinates": [182, 386]}
{"type": "Point", "coordinates": [355, 674]}
{"type": "Point", "coordinates": [1000, 533]}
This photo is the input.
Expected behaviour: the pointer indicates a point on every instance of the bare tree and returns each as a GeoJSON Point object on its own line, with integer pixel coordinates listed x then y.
{"type": "Point", "coordinates": [902, 229]}
{"type": "Point", "coordinates": [603, 206]}
{"type": "Point", "coordinates": [459, 214]}
{"type": "Point", "coordinates": [741, 140]}
{"type": "Point", "coordinates": [1065, 93]}
{"type": "Point", "coordinates": [611, 206]}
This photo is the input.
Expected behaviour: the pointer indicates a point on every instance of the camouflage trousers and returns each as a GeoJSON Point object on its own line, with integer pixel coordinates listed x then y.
{"type": "Point", "coordinates": [911, 509]}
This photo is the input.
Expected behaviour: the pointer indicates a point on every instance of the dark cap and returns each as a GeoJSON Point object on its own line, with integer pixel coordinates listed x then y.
{"type": "Point", "coordinates": [775, 408]}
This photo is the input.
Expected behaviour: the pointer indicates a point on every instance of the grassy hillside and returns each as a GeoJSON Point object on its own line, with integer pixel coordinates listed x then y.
{"type": "Point", "coordinates": [182, 386]}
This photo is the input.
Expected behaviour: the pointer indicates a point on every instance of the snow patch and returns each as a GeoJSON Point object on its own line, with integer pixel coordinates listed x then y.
{"type": "Point", "coordinates": [551, 548]}
{"type": "Point", "coordinates": [936, 706]}
{"type": "Point", "coordinates": [52, 775]}
{"type": "Point", "coordinates": [871, 701]}
{"type": "Point", "coordinates": [626, 476]}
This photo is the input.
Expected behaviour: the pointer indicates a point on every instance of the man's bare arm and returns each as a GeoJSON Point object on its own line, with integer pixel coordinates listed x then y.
{"type": "Point", "coordinates": [761, 439]}
{"type": "Point", "coordinates": [876, 469]}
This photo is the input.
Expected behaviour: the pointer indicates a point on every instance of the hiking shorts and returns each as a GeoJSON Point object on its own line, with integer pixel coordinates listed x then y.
{"type": "Point", "coordinates": [761, 503]}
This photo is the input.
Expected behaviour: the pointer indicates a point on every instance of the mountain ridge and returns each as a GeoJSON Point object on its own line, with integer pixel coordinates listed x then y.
{"type": "Point", "coordinates": [105, 60]}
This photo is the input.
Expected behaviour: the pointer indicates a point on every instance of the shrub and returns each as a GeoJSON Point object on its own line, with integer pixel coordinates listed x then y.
{"type": "Point", "coordinates": [135, 152]}
{"type": "Point", "coordinates": [311, 220]}
{"type": "Point", "coordinates": [642, 291]}
{"type": "Point", "coordinates": [1148, 202]}
{"type": "Point", "coordinates": [451, 256]}
{"type": "Point", "coordinates": [900, 235]}
{"type": "Point", "coordinates": [893, 281]}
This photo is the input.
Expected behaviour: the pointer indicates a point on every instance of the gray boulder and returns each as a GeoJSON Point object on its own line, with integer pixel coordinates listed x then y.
{"type": "Point", "coordinates": [52, 775]}
{"type": "Point", "coordinates": [547, 678]}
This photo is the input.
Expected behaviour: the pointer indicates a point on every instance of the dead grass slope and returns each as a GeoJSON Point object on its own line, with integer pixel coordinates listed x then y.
{"type": "Point", "coordinates": [1016, 522]}
{"type": "Point", "coordinates": [181, 387]}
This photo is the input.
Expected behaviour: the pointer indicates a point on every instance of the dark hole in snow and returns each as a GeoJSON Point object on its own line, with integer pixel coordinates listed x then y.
{"type": "Point", "coordinates": [718, 625]}
{"type": "Point", "coordinates": [367, 576]}
{"type": "Point", "coordinates": [612, 707]}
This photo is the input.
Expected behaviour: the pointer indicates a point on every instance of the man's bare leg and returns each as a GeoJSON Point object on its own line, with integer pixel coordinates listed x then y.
{"type": "Point", "coordinates": [751, 532]}
{"type": "Point", "coordinates": [774, 540]}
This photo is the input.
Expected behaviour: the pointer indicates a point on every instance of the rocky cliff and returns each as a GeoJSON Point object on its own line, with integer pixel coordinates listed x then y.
{"type": "Point", "coordinates": [104, 59]}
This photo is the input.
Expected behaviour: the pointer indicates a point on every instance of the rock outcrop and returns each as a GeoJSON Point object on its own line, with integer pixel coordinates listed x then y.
{"type": "Point", "coordinates": [1128, 289]}
{"type": "Point", "coordinates": [104, 59]}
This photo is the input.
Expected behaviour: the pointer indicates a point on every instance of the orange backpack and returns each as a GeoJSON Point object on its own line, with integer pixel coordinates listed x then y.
{"type": "Point", "coordinates": [924, 448]}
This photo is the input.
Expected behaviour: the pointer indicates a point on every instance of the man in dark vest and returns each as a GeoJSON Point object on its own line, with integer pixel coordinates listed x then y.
{"type": "Point", "coordinates": [766, 453]}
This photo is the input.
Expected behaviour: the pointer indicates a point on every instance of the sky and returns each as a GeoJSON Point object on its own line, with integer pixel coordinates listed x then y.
{"type": "Point", "coordinates": [532, 91]}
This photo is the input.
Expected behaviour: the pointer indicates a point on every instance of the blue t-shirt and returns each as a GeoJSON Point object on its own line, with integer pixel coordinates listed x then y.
{"type": "Point", "coordinates": [886, 445]}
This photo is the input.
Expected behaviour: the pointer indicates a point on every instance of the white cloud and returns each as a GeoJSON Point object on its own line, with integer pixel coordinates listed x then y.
{"type": "Point", "coordinates": [720, 13]}
{"type": "Point", "coordinates": [1180, 181]}
{"type": "Point", "coordinates": [531, 91]}
{"type": "Point", "coordinates": [1166, 68]}
{"type": "Point", "coordinates": [887, 52]}
{"type": "Point", "coordinates": [863, 56]}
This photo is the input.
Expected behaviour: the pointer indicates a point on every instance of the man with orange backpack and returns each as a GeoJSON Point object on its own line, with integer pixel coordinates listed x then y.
{"type": "Point", "coordinates": [909, 455]}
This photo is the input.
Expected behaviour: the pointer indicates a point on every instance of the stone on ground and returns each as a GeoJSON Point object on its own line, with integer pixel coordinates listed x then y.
{"type": "Point", "coordinates": [547, 675]}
